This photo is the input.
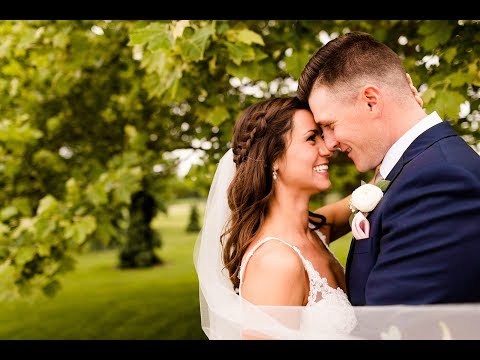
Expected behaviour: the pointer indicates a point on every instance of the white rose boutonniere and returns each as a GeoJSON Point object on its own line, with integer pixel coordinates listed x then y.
{"type": "Point", "coordinates": [364, 199]}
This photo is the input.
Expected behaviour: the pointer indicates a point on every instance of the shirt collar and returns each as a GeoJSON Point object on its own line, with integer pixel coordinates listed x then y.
{"type": "Point", "coordinates": [398, 148]}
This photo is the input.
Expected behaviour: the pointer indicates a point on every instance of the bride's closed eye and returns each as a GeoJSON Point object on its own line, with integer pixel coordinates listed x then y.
{"type": "Point", "coordinates": [318, 133]}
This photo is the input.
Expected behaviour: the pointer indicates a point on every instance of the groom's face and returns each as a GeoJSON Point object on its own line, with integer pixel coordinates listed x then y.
{"type": "Point", "coordinates": [346, 126]}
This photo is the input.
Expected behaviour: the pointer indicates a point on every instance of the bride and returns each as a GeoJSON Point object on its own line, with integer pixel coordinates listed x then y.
{"type": "Point", "coordinates": [274, 251]}
{"type": "Point", "coordinates": [263, 260]}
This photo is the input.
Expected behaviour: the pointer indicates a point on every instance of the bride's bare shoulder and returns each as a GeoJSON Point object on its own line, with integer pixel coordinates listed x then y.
{"type": "Point", "coordinates": [274, 275]}
{"type": "Point", "coordinates": [276, 255]}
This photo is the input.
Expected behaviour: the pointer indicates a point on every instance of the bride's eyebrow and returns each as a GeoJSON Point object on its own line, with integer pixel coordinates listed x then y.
{"type": "Point", "coordinates": [316, 131]}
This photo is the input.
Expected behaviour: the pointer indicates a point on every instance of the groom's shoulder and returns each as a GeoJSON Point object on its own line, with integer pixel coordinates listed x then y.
{"type": "Point", "coordinates": [454, 150]}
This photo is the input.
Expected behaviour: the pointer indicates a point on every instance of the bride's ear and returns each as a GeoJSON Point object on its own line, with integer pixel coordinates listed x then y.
{"type": "Point", "coordinates": [274, 171]}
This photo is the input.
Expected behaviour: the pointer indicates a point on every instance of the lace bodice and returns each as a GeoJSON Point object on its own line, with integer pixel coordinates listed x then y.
{"type": "Point", "coordinates": [328, 308]}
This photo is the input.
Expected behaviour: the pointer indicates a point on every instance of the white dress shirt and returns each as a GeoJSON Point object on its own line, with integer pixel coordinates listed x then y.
{"type": "Point", "coordinates": [401, 145]}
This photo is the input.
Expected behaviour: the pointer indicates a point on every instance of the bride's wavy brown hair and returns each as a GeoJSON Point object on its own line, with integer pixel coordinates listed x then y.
{"type": "Point", "coordinates": [258, 140]}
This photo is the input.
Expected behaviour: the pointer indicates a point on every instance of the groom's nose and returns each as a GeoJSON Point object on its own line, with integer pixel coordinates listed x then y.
{"type": "Point", "coordinates": [323, 150]}
{"type": "Point", "coordinates": [330, 141]}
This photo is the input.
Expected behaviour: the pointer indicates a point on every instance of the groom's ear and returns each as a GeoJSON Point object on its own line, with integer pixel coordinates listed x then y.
{"type": "Point", "coordinates": [371, 99]}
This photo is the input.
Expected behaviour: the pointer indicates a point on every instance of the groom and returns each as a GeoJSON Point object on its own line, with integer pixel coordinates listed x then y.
{"type": "Point", "coordinates": [424, 240]}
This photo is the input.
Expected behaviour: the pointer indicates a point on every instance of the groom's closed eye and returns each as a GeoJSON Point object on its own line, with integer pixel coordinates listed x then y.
{"type": "Point", "coordinates": [320, 130]}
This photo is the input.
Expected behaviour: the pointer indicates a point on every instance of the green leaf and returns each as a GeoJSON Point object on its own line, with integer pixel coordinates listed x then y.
{"type": "Point", "coordinates": [295, 63]}
{"type": "Point", "coordinates": [23, 204]}
{"type": "Point", "coordinates": [4, 252]}
{"type": "Point", "coordinates": [164, 71]}
{"type": "Point", "coordinates": [48, 204]}
{"type": "Point", "coordinates": [43, 249]}
{"type": "Point", "coordinates": [448, 103]}
{"type": "Point", "coordinates": [73, 191]}
{"type": "Point", "coordinates": [436, 33]}
{"type": "Point", "coordinates": [87, 224]}
{"type": "Point", "coordinates": [8, 212]}
{"type": "Point", "coordinates": [450, 54]}
{"type": "Point", "coordinates": [362, 182]}
{"type": "Point", "coordinates": [4, 229]}
{"type": "Point", "coordinates": [240, 52]}
{"type": "Point", "coordinates": [458, 79]}
{"type": "Point", "coordinates": [473, 71]}
{"type": "Point", "coordinates": [249, 37]}
{"type": "Point", "coordinates": [217, 116]}
{"type": "Point", "coordinates": [11, 132]}
{"type": "Point", "coordinates": [44, 228]}
{"type": "Point", "coordinates": [26, 225]}
{"type": "Point", "coordinates": [105, 230]}
{"type": "Point", "coordinates": [383, 184]}
{"type": "Point", "coordinates": [97, 194]}
{"type": "Point", "coordinates": [128, 182]}
{"type": "Point", "coordinates": [259, 54]}
{"type": "Point", "coordinates": [162, 41]}
{"type": "Point", "coordinates": [24, 254]}
{"type": "Point", "coordinates": [80, 229]}
{"type": "Point", "coordinates": [193, 48]}
{"type": "Point", "coordinates": [428, 95]}
{"type": "Point", "coordinates": [179, 27]}
{"type": "Point", "coordinates": [155, 32]}
{"type": "Point", "coordinates": [264, 70]}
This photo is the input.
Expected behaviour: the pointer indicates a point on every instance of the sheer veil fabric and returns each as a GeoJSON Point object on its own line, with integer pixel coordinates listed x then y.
{"type": "Point", "coordinates": [225, 315]}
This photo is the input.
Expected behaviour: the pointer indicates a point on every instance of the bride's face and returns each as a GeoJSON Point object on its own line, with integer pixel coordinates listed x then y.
{"type": "Point", "coordinates": [304, 165]}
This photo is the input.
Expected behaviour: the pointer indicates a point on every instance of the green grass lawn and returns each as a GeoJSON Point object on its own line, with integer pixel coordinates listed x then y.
{"type": "Point", "coordinates": [100, 301]}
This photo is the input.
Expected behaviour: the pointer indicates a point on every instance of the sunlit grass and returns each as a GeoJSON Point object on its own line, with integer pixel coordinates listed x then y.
{"type": "Point", "coordinates": [100, 301]}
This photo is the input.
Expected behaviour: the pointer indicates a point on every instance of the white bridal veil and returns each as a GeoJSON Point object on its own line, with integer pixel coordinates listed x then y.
{"type": "Point", "coordinates": [224, 315]}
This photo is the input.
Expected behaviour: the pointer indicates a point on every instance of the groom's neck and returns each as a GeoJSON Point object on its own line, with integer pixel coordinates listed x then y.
{"type": "Point", "coordinates": [403, 119]}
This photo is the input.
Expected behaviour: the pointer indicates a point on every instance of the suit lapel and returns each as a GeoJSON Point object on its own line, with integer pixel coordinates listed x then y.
{"type": "Point", "coordinates": [421, 143]}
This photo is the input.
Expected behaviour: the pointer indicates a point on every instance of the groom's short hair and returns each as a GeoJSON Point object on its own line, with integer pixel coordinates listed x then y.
{"type": "Point", "coordinates": [345, 62]}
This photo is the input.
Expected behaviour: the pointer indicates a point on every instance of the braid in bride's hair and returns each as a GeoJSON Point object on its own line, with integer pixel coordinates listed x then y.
{"type": "Point", "coordinates": [258, 140]}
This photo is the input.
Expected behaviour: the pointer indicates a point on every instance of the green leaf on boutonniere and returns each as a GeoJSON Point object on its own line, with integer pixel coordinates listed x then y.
{"type": "Point", "coordinates": [383, 184]}
{"type": "Point", "coordinates": [350, 219]}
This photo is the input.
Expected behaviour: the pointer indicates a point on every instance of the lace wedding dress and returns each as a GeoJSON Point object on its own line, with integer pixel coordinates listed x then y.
{"type": "Point", "coordinates": [328, 313]}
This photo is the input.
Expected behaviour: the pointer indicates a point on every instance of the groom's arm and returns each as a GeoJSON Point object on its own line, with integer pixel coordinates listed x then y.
{"type": "Point", "coordinates": [429, 248]}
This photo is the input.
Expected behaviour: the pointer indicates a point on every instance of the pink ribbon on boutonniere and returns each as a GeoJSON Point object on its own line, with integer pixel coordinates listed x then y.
{"type": "Point", "coordinates": [360, 226]}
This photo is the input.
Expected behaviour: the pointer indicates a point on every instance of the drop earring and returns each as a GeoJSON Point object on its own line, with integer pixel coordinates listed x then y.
{"type": "Point", "coordinates": [274, 174]}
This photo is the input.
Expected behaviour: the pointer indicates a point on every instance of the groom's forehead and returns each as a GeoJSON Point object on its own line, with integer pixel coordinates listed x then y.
{"type": "Point", "coordinates": [321, 105]}
{"type": "Point", "coordinates": [323, 117]}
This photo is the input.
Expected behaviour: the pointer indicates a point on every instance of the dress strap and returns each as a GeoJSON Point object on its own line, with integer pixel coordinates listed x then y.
{"type": "Point", "coordinates": [260, 243]}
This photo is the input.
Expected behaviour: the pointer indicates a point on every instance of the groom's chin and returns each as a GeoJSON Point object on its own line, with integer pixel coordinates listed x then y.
{"type": "Point", "coordinates": [362, 167]}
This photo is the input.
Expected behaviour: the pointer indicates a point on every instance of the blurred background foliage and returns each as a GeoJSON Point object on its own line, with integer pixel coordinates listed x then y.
{"type": "Point", "coordinates": [93, 114]}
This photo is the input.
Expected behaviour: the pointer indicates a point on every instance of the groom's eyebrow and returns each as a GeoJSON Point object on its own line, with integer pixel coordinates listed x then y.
{"type": "Point", "coordinates": [324, 118]}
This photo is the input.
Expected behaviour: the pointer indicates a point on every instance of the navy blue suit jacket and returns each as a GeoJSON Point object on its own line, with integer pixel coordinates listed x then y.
{"type": "Point", "coordinates": [424, 244]}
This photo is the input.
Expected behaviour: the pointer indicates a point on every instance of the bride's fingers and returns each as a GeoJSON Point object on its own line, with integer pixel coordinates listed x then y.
{"type": "Point", "coordinates": [419, 100]}
{"type": "Point", "coordinates": [414, 90]}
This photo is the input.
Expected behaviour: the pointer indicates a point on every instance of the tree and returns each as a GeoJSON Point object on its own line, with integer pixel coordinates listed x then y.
{"type": "Point", "coordinates": [193, 223]}
{"type": "Point", "coordinates": [139, 248]}
{"type": "Point", "coordinates": [79, 136]}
